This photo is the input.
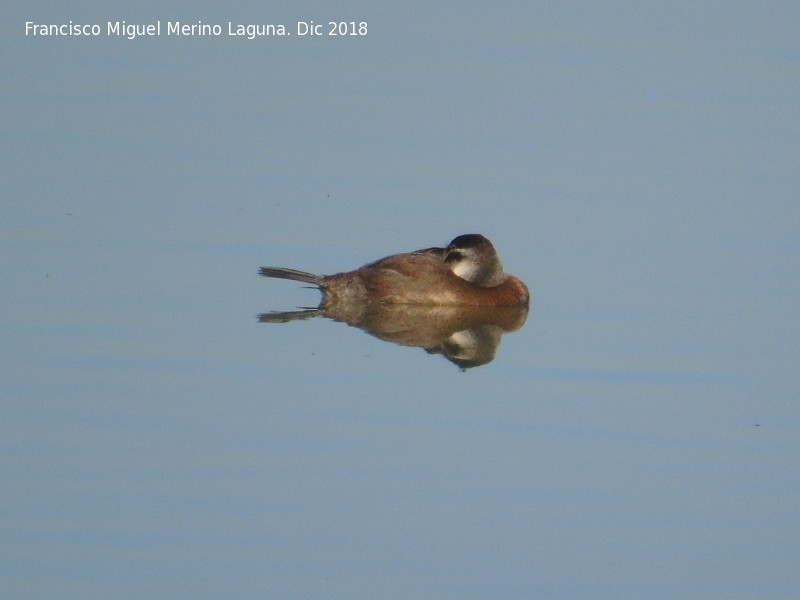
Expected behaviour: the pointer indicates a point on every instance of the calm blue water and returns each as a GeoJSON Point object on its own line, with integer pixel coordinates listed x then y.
{"type": "Point", "coordinates": [636, 165]}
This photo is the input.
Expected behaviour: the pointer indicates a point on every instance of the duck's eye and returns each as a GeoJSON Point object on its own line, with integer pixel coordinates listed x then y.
{"type": "Point", "coordinates": [453, 256]}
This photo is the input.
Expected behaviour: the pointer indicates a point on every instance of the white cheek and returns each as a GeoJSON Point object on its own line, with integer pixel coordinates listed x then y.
{"type": "Point", "coordinates": [463, 339]}
{"type": "Point", "coordinates": [466, 270]}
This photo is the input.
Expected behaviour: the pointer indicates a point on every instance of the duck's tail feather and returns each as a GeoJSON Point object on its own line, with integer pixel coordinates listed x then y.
{"type": "Point", "coordinates": [292, 315]}
{"type": "Point", "coordinates": [293, 274]}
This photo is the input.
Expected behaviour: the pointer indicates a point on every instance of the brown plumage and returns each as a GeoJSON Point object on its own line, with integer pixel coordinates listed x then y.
{"type": "Point", "coordinates": [467, 273]}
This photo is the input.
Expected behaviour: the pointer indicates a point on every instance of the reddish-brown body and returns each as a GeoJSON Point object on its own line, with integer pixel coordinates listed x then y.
{"type": "Point", "coordinates": [417, 278]}
{"type": "Point", "coordinates": [467, 272]}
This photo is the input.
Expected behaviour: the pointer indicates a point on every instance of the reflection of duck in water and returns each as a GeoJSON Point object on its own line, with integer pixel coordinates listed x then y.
{"type": "Point", "coordinates": [454, 301]}
{"type": "Point", "coordinates": [466, 273]}
{"type": "Point", "coordinates": [466, 335]}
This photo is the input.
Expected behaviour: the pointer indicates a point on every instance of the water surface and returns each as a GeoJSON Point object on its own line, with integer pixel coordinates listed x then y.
{"type": "Point", "coordinates": [638, 437]}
